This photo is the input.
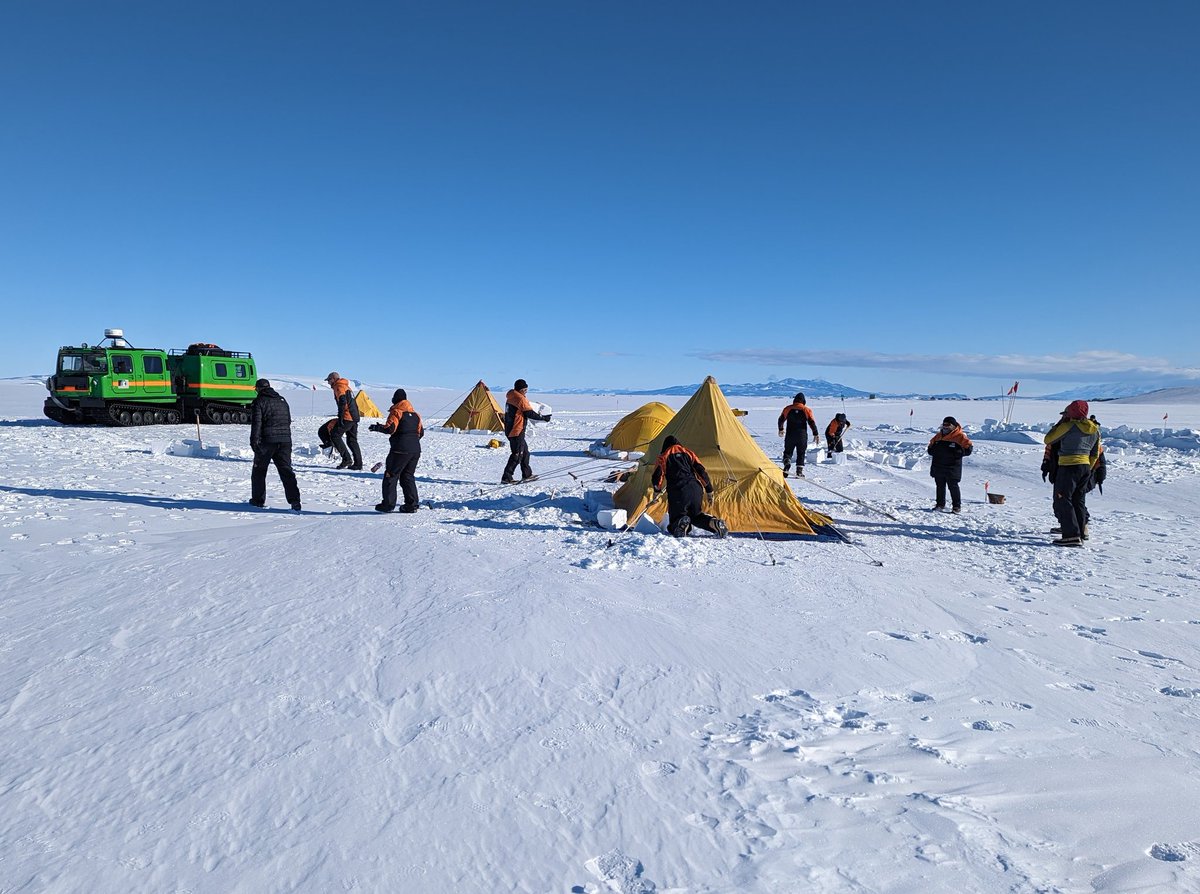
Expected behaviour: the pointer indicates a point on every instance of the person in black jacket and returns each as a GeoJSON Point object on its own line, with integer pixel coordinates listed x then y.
{"type": "Point", "coordinates": [798, 419]}
{"type": "Point", "coordinates": [833, 435]}
{"type": "Point", "coordinates": [686, 481]}
{"type": "Point", "coordinates": [271, 440]}
{"type": "Point", "coordinates": [404, 425]}
{"type": "Point", "coordinates": [948, 447]}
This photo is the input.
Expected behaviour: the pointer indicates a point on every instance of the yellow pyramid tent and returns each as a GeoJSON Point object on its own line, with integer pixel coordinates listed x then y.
{"type": "Point", "coordinates": [366, 406]}
{"type": "Point", "coordinates": [636, 430]}
{"type": "Point", "coordinates": [479, 412]}
{"type": "Point", "coordinates": [749, 491]}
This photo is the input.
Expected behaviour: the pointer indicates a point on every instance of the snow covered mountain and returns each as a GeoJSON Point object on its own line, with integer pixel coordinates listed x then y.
{"type": "Point", "coordinates": [812, 388]}
{"type": "Point", "coordinates": [1107, 391]}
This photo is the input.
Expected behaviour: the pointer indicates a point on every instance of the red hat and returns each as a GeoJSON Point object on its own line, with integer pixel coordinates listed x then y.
{"type": "Point", "coordinates": [1076, 409]}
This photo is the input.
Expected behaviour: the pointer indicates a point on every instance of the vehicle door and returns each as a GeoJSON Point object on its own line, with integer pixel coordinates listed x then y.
{"type": "Point", "coordinates": [125, 382]}
{"type": "Point", "coordinates": [154, 374]}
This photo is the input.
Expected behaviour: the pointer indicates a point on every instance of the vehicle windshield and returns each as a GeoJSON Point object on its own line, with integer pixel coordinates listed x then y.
{"type": "Point", "coordinates": [83, 364]}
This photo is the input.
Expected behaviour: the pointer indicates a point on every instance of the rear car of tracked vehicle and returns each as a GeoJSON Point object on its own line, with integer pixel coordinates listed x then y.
{"type": "Point", "coordinates": [212, 383]}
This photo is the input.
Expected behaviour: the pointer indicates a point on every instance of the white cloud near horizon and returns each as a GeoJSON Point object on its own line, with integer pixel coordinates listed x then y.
{"type": "Point", "coordinates": [1083, 365]}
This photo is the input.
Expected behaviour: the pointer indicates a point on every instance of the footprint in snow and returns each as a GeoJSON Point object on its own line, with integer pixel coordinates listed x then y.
{"type": "Point", "coordinates": [1178, 692]}
{"type": "Point", "coordinates": [1174, 853]}
{"type": "Point", "coordinates": [990, 726]}
{"type": "Point", "coordinates": [657, 769]}
{"type": "Point", "coordinates": [621, 873]}
{"type": "Point", "coordinates": [961, 636]}
{"type": "Point", "coordinates": [1154, 656]}
{"type": "Point", "coordinates": [781, 694]}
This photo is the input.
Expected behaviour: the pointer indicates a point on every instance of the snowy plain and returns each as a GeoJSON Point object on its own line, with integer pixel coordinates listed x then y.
{"type": "Point", "coordinates": [495, 695]}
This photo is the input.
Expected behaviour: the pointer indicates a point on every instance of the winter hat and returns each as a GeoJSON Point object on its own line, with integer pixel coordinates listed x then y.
{"type": "Point", "coordinates": [841, 417]}
{"type": "Point", "coordinates": [520, 385]}
{"type": "Point", "coordinates": [333, 377]}
{"type": "Point", "coordinates": [669, 441]}
{"type": "Point", "coordinates": [261, 384]}
{"type": "Point", "coordinates": [398, 395]}
{"type": "Point", "coordinates": [799, 398]}
{"type": "Point", "coordinates": [949, 420]}
{"type": "Point", "coordinates": [1076, 409]}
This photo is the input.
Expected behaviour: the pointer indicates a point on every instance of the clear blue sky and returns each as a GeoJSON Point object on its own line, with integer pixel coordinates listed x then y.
{"type": "Point", "coordinates": [926, 195]}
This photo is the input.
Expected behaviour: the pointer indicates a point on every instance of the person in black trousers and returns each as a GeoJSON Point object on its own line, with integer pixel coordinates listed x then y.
{"type": "Point", "coordinates": [271, 440]}
{"type": "Point", "coordinates": [406, 430]}
{"type": "Point", "coordinates": [686, 481]}
{"type": "Point", "coordinates": [517, 409]}
{"type": "Point", "coordinates": [798, 419]}
{"type": "Point", "coordinates": [948, 447]}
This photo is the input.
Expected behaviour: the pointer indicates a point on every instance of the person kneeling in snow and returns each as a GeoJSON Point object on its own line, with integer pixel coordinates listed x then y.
{"type": "Point", "coordinates": [404, 425]}
{"type": "Point", "coordinates": [833, 434]}
{"type": "Point", "coordinates": [948, 447]}
{"type": "Point", "coordinates": [325, 435]}
{"type": "Point", "coordinates": [686, 481]}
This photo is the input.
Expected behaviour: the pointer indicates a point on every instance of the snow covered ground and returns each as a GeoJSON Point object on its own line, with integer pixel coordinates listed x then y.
{"type": "Point", "coordinates": [487, 696]}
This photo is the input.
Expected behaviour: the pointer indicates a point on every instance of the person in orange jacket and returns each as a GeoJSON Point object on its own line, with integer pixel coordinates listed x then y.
{"type": "Point", "coordinates": [948, 447]}
{"type": "Point", "coordinates": [798, 420]}
{"type": "Point", "coordinates": [347, 423]}
{"type": "Point", "coordinates": [406, 430]}
{"type": "Point", "coordinates": [518, 409]}
{"type": "Point", "coordinates": [833, 434]}
{"type": "Point", "coordinates": [680, 472]}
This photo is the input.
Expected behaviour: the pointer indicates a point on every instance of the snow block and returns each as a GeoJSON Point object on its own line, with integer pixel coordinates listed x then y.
{"type": "Point", "coordinates": [646, 525]}
{"type": "Point", "coordinates": [612, 519]}
{"type": "Point", "coordinates": [192, 447]}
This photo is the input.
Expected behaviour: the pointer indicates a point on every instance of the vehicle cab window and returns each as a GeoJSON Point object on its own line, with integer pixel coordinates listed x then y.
{"type": "Point", "coordinates": [221, 370]}
{"type": "Point", "coordinates": [153, 364]}
{"type": "Point", "coordinates": [239, 370]}
{"type": "Point", "coordinates": [122, 363]}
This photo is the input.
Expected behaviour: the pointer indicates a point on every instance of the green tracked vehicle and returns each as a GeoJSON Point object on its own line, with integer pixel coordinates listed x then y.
{"type": "Point", "coordinates": [114, 383]}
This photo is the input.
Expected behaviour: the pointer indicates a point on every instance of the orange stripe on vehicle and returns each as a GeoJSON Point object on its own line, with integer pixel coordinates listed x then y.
{"type": "Point", "coordinates": [224, 387]}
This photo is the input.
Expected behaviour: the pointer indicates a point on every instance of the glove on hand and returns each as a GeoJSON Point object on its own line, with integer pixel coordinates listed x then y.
{"type": "Point", "coordinates": [546, 418]}
{"type": "Point", "coordinates": [377, 427]}
{"type": "Point", "coordinates": [708, 490]}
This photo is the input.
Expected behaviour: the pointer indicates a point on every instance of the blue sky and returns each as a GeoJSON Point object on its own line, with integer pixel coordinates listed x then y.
{"type": "Point", "coordinates": [896, 196]}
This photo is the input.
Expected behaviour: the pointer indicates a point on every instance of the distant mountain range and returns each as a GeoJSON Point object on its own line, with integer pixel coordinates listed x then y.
{"type": "Point", "coordinates": [820, 388]}
{"type": "Point", "coordinates": [1109, 391]}
{"type": "Point", "coordinates": [812, 388]}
